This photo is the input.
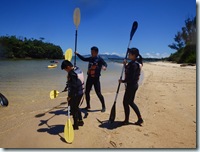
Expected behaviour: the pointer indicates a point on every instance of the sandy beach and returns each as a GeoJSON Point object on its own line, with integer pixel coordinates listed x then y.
{"type": "Point", "coordinates": [166, 99]}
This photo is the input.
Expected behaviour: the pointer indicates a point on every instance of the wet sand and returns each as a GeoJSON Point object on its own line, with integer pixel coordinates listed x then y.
{"type": "Point", "coordinates": [166, 99]}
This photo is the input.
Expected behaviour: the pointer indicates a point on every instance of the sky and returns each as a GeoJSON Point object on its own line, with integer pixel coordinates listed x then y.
{"type": "Point", "coordinates": [104, 23]}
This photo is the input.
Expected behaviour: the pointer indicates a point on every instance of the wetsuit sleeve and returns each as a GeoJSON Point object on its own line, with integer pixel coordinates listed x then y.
{"type": "Point", "coordinates": [104, 63]}
{"type": "Point", "coordinates": [83, 58]}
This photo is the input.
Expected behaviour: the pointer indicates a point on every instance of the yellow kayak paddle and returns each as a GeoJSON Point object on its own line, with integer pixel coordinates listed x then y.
{"type": "Point", "coordinates": [68, 54]}
{"type": "Point", "coordinates": [54, 94]}
{"type": "Point", "coordinates": [69, 130]}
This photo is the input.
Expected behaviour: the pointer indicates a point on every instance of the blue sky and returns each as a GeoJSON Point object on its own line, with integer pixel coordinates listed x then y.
{"type": "Point", "coordinates": [104, 23]}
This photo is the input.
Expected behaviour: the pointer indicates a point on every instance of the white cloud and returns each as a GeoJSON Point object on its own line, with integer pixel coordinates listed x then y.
{"type": "Point", "coordinates": [145, 55]}
{"type": "Point", "coordinates": [155, 55]}
{"type": "Point", "coordinates": [113, 53]}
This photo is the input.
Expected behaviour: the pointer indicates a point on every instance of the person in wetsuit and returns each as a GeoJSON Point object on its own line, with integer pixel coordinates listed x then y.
{"type": "Point", "coordinates": [96, 63]}
{"type": "Point", "coordinates": [75, 88]}
{"type": "Point", "coordinates": [132, 74]}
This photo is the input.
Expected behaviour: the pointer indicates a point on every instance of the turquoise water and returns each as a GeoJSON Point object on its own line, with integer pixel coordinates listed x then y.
{"type": "Point", "coordinates": [33, 76]}
{"type": "Point", "coordinates": [28, 69]}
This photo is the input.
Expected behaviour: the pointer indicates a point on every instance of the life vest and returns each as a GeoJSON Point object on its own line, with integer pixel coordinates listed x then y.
{"type": "Point", "coordinates": [132, 76]}
{"type": "Point", "coordinates": [92, 70]}
{"type": "Point", "coordinates": [93, 67]}
{"type": "Point", "coordinates": [80, 80]}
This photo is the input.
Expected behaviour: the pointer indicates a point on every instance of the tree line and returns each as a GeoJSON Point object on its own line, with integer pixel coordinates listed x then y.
{"type": "Point", "coordinates": [185, 43]}
{"type": "Point", "coordinates": [13, 47]}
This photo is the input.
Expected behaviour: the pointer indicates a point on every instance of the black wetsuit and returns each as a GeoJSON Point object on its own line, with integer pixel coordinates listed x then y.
{"type": "Point", "coordinates": [132, 73]}
{"type": "Point", "coordinates": [94, 73]}
{"type": "Point", "coordinates": [75, 92]}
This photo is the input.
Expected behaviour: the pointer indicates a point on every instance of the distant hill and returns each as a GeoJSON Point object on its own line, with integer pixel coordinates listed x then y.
{"type": "Point", "coordinates": [110, 56]}
{"type": "Point", "coordinates": [106, 56]}
{"type": "Point", "coordinates": [117, 58]}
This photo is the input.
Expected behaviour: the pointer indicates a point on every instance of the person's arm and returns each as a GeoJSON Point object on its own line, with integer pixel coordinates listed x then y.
{"type": "Point", "coordinates": [104, 64]}
{"type": "Point", "coordinates": [83, 58]}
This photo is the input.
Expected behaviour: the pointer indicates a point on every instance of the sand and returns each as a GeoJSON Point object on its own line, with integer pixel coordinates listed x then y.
{"type": "Point", "coordinates": [166, 99]}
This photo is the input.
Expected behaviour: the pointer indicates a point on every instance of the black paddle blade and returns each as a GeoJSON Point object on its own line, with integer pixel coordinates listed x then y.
{"type": "Point", "coordinates": [112, 113]}
{"type": "Point", "coordinates": [133, 30]}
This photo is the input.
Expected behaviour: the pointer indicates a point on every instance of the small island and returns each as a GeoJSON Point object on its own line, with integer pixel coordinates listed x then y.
{"type": "Point", "coordinates": [23, 48]}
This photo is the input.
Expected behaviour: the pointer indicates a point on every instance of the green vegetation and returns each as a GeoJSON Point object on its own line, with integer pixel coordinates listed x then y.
{"type": "Point", "coordinates": [185, 43]}
{"type": "Point", "coordinates": [13, 47]}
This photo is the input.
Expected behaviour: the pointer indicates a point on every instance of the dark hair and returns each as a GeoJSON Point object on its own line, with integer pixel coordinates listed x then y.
{"type": "Point", "coordinates": [95, 49]}
{"type": "Point", "coordinates": [65, 64]}
{"type": "Point", "coordinates": [136, 52]}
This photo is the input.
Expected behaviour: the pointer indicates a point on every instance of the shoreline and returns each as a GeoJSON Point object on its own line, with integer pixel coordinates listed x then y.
{"type": "Point", "coordinates": [166, 99]}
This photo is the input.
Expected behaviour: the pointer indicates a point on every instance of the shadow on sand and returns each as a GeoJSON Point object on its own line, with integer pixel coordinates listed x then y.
{"type": "Point", "coordinates": [106, 124]}
{"type": "Point", "coordinates": [55, 129]}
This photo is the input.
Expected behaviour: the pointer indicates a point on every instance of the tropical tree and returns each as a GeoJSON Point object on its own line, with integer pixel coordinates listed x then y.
{"type": "Point", "coordinates": [187, 36]}
{"type": "Point", "coordinates": [185, 43]}
{"type": "Point", "coordinates": [11, 46]}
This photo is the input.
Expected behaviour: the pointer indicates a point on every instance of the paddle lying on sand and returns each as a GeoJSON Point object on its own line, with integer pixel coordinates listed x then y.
{"type": "Point", "coordinates": [77, 19]}
{"type": "Point", "coordinates": [113, 111]}
{"type": "Point", "coordinates": [68, 54]}
{"type": "Point", "coordinates": [3, 100]}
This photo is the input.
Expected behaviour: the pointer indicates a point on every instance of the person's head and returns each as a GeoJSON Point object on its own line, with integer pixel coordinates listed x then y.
{"type": "Point", "coordinates": [94, 51]}
{"type": "Point", "coordinates": [134, 54]}
{"type": "Point", "coordinates": [66, 65]}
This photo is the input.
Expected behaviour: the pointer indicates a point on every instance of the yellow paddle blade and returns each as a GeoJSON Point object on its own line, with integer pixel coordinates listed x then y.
{"type": "Point", "coordinates": [68, 54]}
{"type": "Point", "coordinates": [53, 94]}
{"type": "Point", "coordinates": [69, 132]}
{"type": "Point", "coordinates": [77, 17]}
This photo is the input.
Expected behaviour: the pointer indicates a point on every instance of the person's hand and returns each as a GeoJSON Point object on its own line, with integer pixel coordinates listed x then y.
{"type": "Point", "coordinates": [68, 98]}
{"type": "Point", "coordinates": [120, 81]}
{"type": "Point", "coordinates": [125, 62]}
{"type": "Point", "coordinates": [104, 68]}
{"type": "Point", "coordinates": [66, 89]}
{"type": "Point", "coordinates": [75, 53]}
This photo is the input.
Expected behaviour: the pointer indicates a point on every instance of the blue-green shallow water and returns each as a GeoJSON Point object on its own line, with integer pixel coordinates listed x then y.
{"type": "Point", "coordinates": [32, 78]}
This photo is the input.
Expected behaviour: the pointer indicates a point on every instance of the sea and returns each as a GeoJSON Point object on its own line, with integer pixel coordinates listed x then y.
{"type": "Point", "coordinates": [36, 72]}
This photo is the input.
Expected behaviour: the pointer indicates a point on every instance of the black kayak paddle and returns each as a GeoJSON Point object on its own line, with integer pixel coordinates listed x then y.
{"type": "Point", "coordinates": [113, 110]}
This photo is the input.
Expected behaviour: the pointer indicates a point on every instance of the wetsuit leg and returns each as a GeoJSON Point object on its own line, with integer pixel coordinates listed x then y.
{"type": "Point", "coordinates": [79, 111]}
{"type": "Point", "coordinates": [75, 110]}
{"type": "Point", "coordinates": [97, 87]}
{"type": "Point", "coordinates": [89, 84]}
{"type": "Point", "coordinates": [132, 103]}
{"type": "Point", "coordinates": [126, 105]}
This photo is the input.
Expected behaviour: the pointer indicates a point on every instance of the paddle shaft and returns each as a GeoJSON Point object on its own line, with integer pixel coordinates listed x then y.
{"type": "Point", "coordinates": [134, 28]}
{"type": "Point", "coordinates": [121, 76]}
{"type": "Point", "coordinates": [76, 35]}
{"type": "Point", "coordinates": [69, 120]}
